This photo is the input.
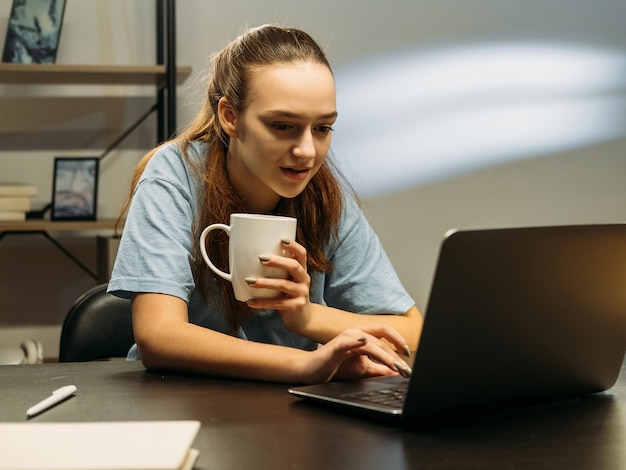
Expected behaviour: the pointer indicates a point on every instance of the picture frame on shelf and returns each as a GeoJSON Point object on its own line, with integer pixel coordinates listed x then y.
{"type": "Point", "coordinates": [33, 31]}
{"type": "Point", "coordinates": [75, 188]}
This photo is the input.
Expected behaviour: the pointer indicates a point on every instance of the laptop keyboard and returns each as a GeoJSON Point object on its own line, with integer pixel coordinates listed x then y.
{"type": "Point", "coordinates": [393, 397]}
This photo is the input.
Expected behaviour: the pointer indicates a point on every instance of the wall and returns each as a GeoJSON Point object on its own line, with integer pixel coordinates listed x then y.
{"type": "Point", "coordinates": [474, 113]}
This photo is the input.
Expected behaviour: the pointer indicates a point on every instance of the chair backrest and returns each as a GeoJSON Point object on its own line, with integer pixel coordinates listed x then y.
{"type": "Point", "coordinates": [98, 326]}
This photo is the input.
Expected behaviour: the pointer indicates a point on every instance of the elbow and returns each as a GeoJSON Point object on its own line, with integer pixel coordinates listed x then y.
{"type": "Point", "coordinates": [148, 358]}
{"type": "Point", "coordinates": [151, 355]}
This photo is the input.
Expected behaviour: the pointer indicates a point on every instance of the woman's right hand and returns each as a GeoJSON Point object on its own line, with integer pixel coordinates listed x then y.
{"type": "Point", "coordinates": [357, 353]}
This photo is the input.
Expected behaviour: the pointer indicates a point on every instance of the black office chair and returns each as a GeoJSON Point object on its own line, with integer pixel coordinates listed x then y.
{"type": "Point", "coordinates": [97, 327]}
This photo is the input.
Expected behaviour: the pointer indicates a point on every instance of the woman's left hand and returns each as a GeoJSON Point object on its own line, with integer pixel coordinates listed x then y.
{"type": "Point", "coordinates": [293, 303]}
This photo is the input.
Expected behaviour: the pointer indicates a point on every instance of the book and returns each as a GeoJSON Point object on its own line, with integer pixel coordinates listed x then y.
{"type": "Point", "coordinates": [7, 216]}
{"type": "Point", "coordinates": [120, 445]}
{"type": "Point", "coordinates": [20, 203]}
{"type": "Point", "coordinates": [17, 189]}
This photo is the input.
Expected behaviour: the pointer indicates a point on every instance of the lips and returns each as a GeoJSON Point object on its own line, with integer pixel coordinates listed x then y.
{"type": "Point", "coordinates": [297, 174]}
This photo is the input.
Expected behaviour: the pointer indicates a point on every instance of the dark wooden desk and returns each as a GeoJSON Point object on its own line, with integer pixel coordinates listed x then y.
{"type": "Point", "coordinates": [257, 425]}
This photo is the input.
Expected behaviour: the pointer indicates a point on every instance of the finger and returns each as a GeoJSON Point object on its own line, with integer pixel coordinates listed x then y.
{"type": "Point", "coordinates": [292, 294]}
{"type": "Point", "coordinates": [340, 352]}
{"type": "Point", "coordinates": [296, 270]}
{"type": "Point", "coordinates": [352, 336]}
{"type": "Point", "coordinates": [391, 335]}
{"type": "Point", "coordinates": [376, 361]}
{"type": "Point", "coordinates": [297, 251]}
{"type": "Point", "coordinates": [375, 370]}
{"type": "Point", "coordinates": [283, 304]}
{"type": "Point", "coordinates": [380, 352]}
{"type": "Point", "coordinates": [289, 287]}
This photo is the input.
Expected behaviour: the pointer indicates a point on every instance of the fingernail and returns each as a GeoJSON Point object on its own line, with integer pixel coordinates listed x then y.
{"type": "Point", "coordinates": [285, 241]}
{"type": "Point", "coordinates": [264, 258]}
{"type": "Point", "coordinates": [362, 339]}
{"type": "Point", "coordinates": [250, 280]}
{"type": "Point", "coordinates": [404, 370]}
{"type": "Point", "coordinates": [407, 350]}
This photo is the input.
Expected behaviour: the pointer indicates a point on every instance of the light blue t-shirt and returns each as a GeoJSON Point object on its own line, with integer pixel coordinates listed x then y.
{"type": "Point", "coordinates": [156, 249]}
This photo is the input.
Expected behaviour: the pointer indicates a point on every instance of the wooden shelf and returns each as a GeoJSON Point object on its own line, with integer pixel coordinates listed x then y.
{"type": "Point", "coordinates": [58, 226]}
{"type": "Point", "coordinates": [44, 227]}
{"type": "Point", "coordinates": [57, 74]}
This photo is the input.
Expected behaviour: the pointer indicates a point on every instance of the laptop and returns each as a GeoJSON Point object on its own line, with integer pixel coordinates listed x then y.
{"type": "Point", "coordinates": [516, 317]}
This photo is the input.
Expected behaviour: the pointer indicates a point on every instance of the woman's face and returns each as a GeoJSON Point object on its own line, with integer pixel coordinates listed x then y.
{"type": "Point", "coordinates": [281, 138]}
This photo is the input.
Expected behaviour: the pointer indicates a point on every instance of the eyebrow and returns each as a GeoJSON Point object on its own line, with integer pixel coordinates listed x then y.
{"type": "Point", "coordinates": [289, 114]}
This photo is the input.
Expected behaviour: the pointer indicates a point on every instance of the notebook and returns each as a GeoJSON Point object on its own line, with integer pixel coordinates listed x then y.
{"type": "Point", "coordinates": [127, 445]}
{"type": "Point", "coordinates": [515, 317]}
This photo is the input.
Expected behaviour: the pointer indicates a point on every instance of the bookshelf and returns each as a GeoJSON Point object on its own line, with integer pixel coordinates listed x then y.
{"type": "Point", "coordinates": [164, 76]}
{"type": "Point", "coordinates": [57, 226]}
{"type": "Point", "coordinates": [57, 74]}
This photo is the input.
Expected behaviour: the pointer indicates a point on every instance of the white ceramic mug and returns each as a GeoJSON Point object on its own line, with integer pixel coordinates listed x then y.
{"type": "Point", "coordinates": [251, 236]}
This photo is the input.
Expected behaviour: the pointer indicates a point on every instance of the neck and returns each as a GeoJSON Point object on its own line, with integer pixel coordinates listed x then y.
{"type": "Point", "coordinates": [257, 198]}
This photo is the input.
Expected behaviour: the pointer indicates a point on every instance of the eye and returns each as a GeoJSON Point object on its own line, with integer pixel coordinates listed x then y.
{"type": "Point", "coordinates": [281, 126]}
{"type": "Point", "coordinates": [324, 129]}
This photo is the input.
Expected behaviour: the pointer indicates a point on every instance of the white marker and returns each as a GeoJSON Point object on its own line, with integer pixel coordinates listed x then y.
{"type": "Point", "coordinates": [57, 397]}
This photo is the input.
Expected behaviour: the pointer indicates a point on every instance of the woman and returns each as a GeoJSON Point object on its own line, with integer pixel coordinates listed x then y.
{"type": "Point", "coordinates": [260, 145]}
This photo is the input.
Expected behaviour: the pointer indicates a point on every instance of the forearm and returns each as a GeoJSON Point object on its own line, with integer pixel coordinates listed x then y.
{"type": "Point", "coordinates": [167, 340]}
{"type": "Point", "coordinates": [188, 347]}
{"type": "Point", "coordinates": [324, 323]}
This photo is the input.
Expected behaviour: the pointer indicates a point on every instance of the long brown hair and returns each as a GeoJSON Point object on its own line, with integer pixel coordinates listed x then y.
{"type": "Point", "coordinates": [317, 208]}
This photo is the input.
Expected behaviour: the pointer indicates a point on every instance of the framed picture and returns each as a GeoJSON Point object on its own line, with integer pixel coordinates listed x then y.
{"type": "Point", "coordinates": [33, 31]}
{"type": "Point", "coordinates": [75, 188]}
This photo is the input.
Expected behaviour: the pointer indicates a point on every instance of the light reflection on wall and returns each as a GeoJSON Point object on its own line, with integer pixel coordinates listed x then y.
{"type": "Point", "coordinates": [425, 115]}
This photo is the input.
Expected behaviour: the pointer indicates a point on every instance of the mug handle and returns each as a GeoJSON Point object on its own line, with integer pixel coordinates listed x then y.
{"type": "Point", "coordinates": [208, 261]}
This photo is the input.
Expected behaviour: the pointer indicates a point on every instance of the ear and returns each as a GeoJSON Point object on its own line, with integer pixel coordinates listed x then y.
{"type": "Point", "coordinates": [227, 117]}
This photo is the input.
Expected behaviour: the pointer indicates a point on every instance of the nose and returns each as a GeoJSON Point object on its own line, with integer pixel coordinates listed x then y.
{"type": "Point", "coordinates": [305, 146]}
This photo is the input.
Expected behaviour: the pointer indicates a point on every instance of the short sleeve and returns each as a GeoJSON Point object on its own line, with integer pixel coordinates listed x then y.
{"type": "Point", "coordinates": [156, 243]}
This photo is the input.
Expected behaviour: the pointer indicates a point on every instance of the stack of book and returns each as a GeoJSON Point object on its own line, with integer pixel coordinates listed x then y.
{"type": "Point", "coordinates": [15, 200]}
